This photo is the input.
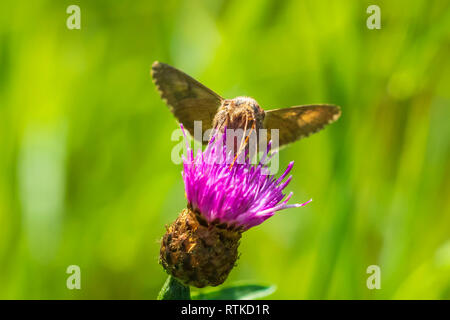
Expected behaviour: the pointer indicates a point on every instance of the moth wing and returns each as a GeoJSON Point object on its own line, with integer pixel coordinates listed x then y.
{"type": "Point", "coordinates": [188, 99]}
{"type": "Point", "coordinates": [299, 122]}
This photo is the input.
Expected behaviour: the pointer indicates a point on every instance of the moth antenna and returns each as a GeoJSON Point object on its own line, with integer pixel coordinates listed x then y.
{"type": "Point", "coordinates": [244, 138]}
{"type": "Point", "coordinates": [243, 142]}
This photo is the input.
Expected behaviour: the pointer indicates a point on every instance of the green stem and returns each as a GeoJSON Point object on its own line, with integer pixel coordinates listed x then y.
{"type": "Point", "coordinates": [174, 290]}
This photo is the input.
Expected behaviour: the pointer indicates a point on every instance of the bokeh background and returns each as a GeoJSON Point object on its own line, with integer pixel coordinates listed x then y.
{"type": "Point", "coordinates": [86, 176]}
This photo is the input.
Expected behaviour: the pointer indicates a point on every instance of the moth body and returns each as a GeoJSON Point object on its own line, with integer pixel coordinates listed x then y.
{"type": "Point", "coordinates": [191, 101]}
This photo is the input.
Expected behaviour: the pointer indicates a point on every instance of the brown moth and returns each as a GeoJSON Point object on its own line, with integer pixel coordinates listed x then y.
{"type": "Point", "coordinates": [190, 101]}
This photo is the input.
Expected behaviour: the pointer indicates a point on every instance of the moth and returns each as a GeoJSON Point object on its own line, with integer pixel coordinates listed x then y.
{"type": "Point", "coordinates": [190, 101]}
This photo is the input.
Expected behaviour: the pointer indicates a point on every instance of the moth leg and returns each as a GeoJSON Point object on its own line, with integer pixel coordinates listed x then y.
{"type": "Point", "coordinates": [244, 142]}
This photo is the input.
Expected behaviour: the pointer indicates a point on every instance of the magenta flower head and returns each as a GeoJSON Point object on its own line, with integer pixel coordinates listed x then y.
{"type": "Point", "coordinates": [237, 195]}
{"type": "Point", "coordinates": [225, 198]}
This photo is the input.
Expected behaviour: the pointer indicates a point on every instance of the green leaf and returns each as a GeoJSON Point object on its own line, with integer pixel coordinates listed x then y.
{"type": "Point", "coordinates": [241, 291]}
{"type": "Point", "coordinates": [174, 290]}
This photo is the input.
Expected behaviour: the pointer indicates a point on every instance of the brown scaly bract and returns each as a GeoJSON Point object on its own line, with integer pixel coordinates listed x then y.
{"type": "Point", "coordinates": [198, 253]}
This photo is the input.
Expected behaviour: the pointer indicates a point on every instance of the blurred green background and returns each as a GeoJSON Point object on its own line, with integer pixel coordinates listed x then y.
{"type": "Point", "coordinates": [86, 176]}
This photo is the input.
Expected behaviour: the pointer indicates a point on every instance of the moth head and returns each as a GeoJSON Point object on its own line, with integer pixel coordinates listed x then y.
{"type": "Point", "coordinates": [247, 104]}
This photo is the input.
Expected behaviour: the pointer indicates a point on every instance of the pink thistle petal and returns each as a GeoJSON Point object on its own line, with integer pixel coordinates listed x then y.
{"type": "Point", "coordinates": [239, 194]}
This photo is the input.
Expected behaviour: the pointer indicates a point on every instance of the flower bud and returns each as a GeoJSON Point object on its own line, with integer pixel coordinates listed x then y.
{"type": "Point", "coordinates": [199, 253]}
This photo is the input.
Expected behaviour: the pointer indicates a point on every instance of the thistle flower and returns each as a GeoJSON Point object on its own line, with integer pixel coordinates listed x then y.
{"type": "Point", "coordinates": [225, 198]}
